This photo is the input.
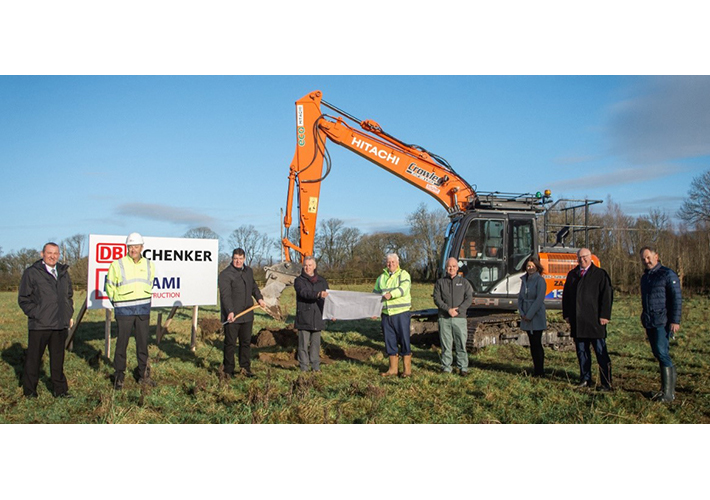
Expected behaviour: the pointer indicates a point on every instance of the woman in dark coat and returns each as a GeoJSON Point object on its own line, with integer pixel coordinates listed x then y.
{"type": "Point", "coordinates": [310, 297]}
{"type": "Point", "coordinates": [531, 305]}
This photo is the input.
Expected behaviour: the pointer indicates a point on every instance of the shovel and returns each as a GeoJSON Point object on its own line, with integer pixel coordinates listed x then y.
{"type": "Point", "coordinates": [273, 311]}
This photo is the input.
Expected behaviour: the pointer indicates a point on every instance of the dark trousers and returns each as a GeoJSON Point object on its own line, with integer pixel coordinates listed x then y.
{"type": "Point", "coordinates": [232, 332]}
{"type": "Point", "coordinates": [585, 360]}
{"type": "Point", "coordinates": [126, 326]}
{"type": "Point", "coordinates": [537, 352]}
{"type": "Point", "coordinates": [37, 342]}
{"type": "Point", "coordinates": [395, 329]}
{"type": "Point", "coordinates": [659, 338]}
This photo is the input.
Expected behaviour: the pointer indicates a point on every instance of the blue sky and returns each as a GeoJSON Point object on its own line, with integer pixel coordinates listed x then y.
{"type": "Point", "coordinates": [163, 154]}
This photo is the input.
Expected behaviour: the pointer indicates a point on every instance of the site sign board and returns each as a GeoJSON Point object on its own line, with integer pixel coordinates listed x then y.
{"type": "Point", "coordinates": [185, 269]}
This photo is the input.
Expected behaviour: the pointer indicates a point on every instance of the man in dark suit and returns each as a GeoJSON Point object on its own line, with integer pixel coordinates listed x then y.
{"type": "Point", "coordinates": [587, 298]}
{"type": "Point", "coordinates": [45, 296]}
{"type": "Point", "coordinates": [236, 289]}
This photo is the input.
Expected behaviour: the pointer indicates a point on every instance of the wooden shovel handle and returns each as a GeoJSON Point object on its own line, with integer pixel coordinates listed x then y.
{"type": "Point", "coordinates": [246, 311]}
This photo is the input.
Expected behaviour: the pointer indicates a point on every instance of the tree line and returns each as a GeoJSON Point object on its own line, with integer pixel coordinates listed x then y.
{"type": "Point", "coordinates": [345, 252]}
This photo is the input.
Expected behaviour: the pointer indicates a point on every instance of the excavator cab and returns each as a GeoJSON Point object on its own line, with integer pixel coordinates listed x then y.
{"type": "Point", "coordinates": [492, 242]}
{"type": "Point", "coordinates": [491, 248]}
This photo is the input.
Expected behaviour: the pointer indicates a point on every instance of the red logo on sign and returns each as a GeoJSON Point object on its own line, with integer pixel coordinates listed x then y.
{"type": "Point", "coordinates": [100, 282]}
{"type": "Point", "coordinates": [108, 252]}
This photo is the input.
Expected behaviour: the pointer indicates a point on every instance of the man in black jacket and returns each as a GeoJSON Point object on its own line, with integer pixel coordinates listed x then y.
{"type": "Point", "coordinates": [662, 303]}
{"type": "Point", "coordinates": [236, 289]}
{"type": "Point", "coordinates": [587, 298]}
{"type": "Point", "coordinates": [45, 296]}
{"type": "Point", "coordinates": [310, 297]}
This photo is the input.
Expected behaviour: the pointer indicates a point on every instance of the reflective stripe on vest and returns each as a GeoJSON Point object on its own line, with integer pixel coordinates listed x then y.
{"type": "Point", "coordinates": [126, 281]}
{"type": "Point", "coordinates": [130, 292]}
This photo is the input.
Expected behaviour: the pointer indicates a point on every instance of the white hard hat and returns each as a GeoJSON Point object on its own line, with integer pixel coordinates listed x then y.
{"type": "Point", "coordinates": [134, 239]}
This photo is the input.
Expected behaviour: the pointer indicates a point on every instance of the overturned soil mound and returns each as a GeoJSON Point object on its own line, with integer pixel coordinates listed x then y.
{"type": "Point", "coordinates": [209, 326]}
{"type": "Point", "coordinates": [286, 337]}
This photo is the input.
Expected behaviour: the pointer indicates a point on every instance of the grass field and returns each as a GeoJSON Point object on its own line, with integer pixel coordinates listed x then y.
{"type": "Point", "coordinates": [499, 388]}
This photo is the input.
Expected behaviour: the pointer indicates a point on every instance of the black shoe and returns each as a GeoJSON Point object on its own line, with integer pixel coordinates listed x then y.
{"type": "Point", "coordinates": [584, 383]}
{"type": "Point", "coordinates": [247, 373]}
{"type": "Point", "coordinates": [147, 382]}
{"type": "Point", "coordinates": [31, 395]}
{"type": "Point", "coordinates": [65, 395]}
{"type": "Point", "coordinates": [605, 388]}
{"type": "Point", "coordinates": [463, 373]}
{"type": "Point", "coordinates": [117, 382]}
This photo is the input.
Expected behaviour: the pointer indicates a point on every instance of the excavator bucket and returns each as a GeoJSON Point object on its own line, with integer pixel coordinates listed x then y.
{"type": "Point", "coordinates": [278, 277]}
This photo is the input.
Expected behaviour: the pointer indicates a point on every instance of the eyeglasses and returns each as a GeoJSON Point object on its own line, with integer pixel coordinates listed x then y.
{"type": "Point", "coordinates": [581, 257]}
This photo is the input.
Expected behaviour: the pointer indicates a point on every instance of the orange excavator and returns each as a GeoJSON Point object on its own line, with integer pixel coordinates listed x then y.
{"type": "Point", "coordinates": [490, 234]}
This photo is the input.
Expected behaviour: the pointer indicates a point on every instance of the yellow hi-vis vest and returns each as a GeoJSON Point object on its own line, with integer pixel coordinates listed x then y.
{"type": "Point", "coordinates": [129, 286]}
{"type": "Point", "coordinates": [398, 285]}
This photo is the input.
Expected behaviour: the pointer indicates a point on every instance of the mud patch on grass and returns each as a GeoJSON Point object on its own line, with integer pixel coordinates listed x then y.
{"type": "Point", "coordinates": [350, 353]}
{"type": "Point", "coordinates": [209, 327]}
{"type": "Point", "coordinates": [287, 337]}
{"type": "Point", "coordinates": [284, 359]}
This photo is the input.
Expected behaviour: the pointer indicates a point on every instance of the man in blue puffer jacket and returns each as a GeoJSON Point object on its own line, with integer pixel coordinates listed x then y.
{"type": "Point", "coordinates": [661, 301]}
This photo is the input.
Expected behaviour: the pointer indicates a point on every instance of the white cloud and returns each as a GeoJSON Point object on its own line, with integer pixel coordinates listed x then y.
{"type": "Point", "coordinates": [618, 177]}
{"type": "Point", "coordinates": [164, 213]}
{"type": "Point", "coordinates": [670, 119]}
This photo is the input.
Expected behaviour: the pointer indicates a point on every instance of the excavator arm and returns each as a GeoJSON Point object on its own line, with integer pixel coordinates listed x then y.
{"type": "Point", "coordinates": [411, 163]}
{"type": "Point", "coordinates": [311, 164]}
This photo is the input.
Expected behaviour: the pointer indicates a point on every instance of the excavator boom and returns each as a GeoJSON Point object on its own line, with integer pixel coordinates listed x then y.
{"type": "Point", "coordinates": [411, 163]}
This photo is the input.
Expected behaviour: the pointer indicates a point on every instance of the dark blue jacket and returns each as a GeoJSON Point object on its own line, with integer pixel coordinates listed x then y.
{"type": "Point", "coordinates": [531, 302]}
{"type": "Point", "coordinates": [660, 297]}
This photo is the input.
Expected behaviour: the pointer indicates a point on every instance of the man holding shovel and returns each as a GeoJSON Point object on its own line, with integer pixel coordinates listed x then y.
{"type": "Point", "coordinates": [236, 289]}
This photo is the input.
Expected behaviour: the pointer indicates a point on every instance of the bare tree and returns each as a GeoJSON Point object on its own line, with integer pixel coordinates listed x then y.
{"type": "Point", "coordinates": [652, 227]}
{"type": "Point", "coordinates": [370, 252]}
{"type": "Point", "coordinates": [202, 232]}
{"type": "Point", "coordinates": [256, 245]}
{"type": "Point", "coordinates": [696, 208]}
{"type": "Point", "coordinates": [335, 244]}
{"type": "Point", "coordinates": [428, 228]}
{"type": "Point", "coordinates": [13, 264]}
{"type": "Point", "coordinates": [205, 233]}
{"type": "Point", "coordinates": [73, 248]}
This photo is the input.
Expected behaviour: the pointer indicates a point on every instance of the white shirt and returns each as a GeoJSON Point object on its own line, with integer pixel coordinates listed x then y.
{"type": "Point", "coordinates": [51, 270]}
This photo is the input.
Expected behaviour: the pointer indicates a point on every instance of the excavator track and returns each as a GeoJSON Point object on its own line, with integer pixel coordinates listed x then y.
{"type": "Point", "coordinates": [486, 329]}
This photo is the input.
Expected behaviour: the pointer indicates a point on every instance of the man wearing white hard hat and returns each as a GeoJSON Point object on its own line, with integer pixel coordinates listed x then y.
{"type": "Point", "coordinates": [129, 286]}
